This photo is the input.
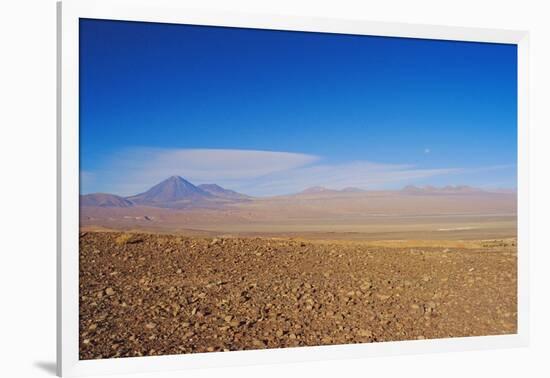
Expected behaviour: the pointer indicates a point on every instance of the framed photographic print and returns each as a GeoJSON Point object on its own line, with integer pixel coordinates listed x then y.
{"type": "Point", "coordinates": [239, 188]}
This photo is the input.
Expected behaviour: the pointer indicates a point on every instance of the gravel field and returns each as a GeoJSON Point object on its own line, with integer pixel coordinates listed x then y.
{"type": "Point", "coordinates": [148, 294]}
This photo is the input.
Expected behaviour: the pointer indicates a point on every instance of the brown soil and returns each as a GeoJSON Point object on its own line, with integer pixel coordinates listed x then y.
{"type": "Point", "coordinates": [146, 294]}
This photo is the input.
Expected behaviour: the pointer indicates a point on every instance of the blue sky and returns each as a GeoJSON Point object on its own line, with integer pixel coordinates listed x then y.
{"type": "Point", "coordinates": [273, 112]}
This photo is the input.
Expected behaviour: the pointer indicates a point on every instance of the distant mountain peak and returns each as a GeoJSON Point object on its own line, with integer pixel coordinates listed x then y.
{"type": "Point", "coordinates": [448, 189]}
{"type": "Point", "coordinates": [173, 192]}
{"type": "Point", "coordinates": [104, 200]}
{"type": "Point", "coordinates": [211, 186]}
{"type": "Point", "coordinates": [173, 189]}
{"type": "Point", "coordinates": [218, 191]}
{"type": "Point", "coordinates": [316, 189]}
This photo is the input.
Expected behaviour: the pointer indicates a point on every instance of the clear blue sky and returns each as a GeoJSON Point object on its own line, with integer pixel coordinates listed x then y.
{"type": "Point", "coordinates": [149, 92]}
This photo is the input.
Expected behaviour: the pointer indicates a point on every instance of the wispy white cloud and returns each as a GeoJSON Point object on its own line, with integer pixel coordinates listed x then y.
{"type": "Point", "coordinates": [134, 170]}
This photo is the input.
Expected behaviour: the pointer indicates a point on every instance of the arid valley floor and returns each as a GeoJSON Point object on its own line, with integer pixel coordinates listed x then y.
{"type": "Point", "coordinates": [179, 269]}
{"type": "Point", "coordinates": [147, 294]}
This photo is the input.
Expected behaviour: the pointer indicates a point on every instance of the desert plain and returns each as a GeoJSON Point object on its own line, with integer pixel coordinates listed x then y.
{"type": "Point", "coordinates": [175, 270]}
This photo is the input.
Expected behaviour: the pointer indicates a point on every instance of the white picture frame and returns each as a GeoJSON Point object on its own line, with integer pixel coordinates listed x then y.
{"type": "Point", "coordinates": [69, 12]}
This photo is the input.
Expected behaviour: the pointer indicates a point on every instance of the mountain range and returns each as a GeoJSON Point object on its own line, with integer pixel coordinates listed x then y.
{"type": "Point", "coordinates": [104, 200]}
{"type": "Point", "coordinates": [449, 189]}
{"type": "Point", "coordinates": [177, 193]}
{"type": "Point", "coordinates": [174, 192]}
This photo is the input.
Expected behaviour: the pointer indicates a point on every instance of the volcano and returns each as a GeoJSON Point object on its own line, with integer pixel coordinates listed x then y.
{"type": "Point", "coordinates": [173, 190]}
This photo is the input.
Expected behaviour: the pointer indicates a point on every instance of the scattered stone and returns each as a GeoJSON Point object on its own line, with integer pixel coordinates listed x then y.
{"type": "Point", "coordinates": [258, 343]}
{"type": "Point", "coordinates": [364, 333]}
{"type": "Point", "coordinates": [134, 240]}
{"type": "Point", "coordinates": [365, 286]}
{"type": "Point", "coordinates": [175, 309]}
{"type": "Point", "coordinates": [200, 299]}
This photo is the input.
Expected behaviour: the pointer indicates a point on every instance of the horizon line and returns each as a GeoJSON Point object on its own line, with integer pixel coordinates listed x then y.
{"type": "Point", "coordinates": [322, 188]}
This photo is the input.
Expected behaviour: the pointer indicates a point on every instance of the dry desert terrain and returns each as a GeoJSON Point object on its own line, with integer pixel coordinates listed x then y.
{"type": "Point", "coordinates": [182, 268]}
{"type": "Point", "coordinates": [154, 294]}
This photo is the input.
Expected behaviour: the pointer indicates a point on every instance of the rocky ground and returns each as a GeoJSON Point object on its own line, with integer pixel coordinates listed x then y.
{"type": "Point", "coordinates": [145, 294]}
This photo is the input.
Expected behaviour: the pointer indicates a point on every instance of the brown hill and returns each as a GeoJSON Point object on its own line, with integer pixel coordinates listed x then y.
{"type": "Point", "coordinates": [104, 200]}
{"type": "Point", "coordinates": [218, 191]}
{"type": "Point", "coordinates": [318, 190]}
{"type": "Point", "coordinates": [449, 189]}
{"type": "Point", "coordinates": [171, 192]}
